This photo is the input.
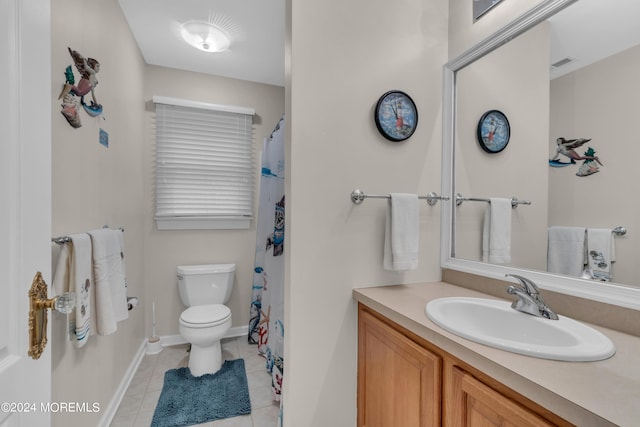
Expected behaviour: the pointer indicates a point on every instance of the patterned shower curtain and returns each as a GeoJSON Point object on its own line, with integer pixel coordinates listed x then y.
{"type": "Point", "coordinates": [266, 325]}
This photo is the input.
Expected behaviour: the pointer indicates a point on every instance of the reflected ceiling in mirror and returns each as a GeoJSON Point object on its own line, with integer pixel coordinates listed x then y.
{"type": "Point", "coordinates": [512, 72]}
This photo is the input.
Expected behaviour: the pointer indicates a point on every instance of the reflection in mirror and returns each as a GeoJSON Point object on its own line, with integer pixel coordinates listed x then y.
{"type": "Point", "coordinates": [596, 98]}
{"type": "Point", "coordinates": [589, 92]}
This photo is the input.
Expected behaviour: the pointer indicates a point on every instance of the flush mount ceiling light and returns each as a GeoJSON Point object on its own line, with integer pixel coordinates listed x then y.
{"type": "Point", "coordinates": [213, 35]}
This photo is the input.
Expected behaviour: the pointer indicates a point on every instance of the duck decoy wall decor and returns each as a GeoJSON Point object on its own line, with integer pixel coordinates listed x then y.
{"type": "Point", "coordinates": [567, 148]}
{"type": "Point", "coordinates": [73, 94]}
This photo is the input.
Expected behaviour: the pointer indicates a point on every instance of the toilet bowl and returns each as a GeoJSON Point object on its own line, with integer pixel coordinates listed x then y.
{"type": "Point", "coordinates": [204, 326]}
{"type": "Point", "coordinates": [204, 289]}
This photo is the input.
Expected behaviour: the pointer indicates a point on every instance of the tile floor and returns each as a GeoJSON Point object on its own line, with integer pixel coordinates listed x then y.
{"type": "Point", "coordinates": [139, 402]}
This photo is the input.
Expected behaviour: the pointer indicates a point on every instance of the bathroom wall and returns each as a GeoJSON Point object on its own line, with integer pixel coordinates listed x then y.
{"type": "Point", "coordinates": [343, 56]}
{"type": "Point", "coordinates": [169, 248]}
{"type": "Point", "coordinates": [94, 186]}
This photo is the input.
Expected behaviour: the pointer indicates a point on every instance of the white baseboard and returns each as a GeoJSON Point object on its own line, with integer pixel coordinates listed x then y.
{"type": "Point", "coordinates": [166, 341]}
{"type": "Point", "coordinates": [171, 340]}
{"type": "Point", "coordinates": [237, 331]}
{"type": "Point", "coordinates": [112, 408]}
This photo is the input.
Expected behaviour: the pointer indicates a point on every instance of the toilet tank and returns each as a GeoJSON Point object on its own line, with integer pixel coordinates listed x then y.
{"type": "Point", "coordinates": [205, 284]}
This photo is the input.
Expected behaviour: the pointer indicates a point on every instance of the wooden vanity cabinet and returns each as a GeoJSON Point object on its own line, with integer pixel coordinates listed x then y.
{"type": "Point", "coordinates": [404, 381]}
{"type": "Point", "coordinates": [398, 380]}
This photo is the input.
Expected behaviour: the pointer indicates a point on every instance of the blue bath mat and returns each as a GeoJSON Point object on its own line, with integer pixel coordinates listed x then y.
{"type": "Point", "coordinates": [187, 400]}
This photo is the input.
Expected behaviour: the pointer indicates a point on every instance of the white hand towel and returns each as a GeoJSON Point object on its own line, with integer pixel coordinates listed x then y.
{"type": "Point", "coordinates": [81, 284]}
{"type": "Point", "coordinates": [566, 250]}
{"type": "Point", "coordinates": [496, 235]}
{"type": "Point", "coordinates": [601, 252]}
{"type": "Point", "coordinates": [109, 277]}
{"type": "Point", "coordinates": [401, 233]}
{"type": "Point", "coordinates": [60, 283]}
{"type": "Point", "coordinates": [73, 274]}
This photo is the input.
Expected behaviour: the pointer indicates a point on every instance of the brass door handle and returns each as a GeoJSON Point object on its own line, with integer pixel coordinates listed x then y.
{"type": "Point", "coordinates": [38, 305]}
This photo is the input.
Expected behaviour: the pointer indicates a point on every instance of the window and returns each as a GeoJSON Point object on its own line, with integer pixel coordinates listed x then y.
{"type": "Point", "coordinates": [204, 165]}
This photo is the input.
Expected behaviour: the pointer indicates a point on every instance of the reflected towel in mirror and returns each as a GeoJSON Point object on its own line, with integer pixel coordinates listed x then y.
{"type": "Point", "coordinates": [566, 252]}
{"type": "Point", "coordinates": [496, 233]}
{"type": "Point", "coordinates": [601, 252]}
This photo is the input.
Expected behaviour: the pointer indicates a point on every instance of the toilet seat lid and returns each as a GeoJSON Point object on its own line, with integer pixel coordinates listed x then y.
{"type": "Point", "coordinates": [205, 314]}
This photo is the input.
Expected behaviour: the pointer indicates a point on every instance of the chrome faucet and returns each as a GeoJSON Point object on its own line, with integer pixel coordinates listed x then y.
{"type": "Point", "coordinates": [528, 298]}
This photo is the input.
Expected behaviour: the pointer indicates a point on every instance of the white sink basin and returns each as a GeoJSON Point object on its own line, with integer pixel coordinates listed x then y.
{"type": "Point", "coordinates": [496, 324]}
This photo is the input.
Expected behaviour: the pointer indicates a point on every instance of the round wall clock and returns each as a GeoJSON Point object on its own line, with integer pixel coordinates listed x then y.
{"type": "Point", "coordinates": [396, 116]}
{"type": "Point", "coordinates": [493, 131]}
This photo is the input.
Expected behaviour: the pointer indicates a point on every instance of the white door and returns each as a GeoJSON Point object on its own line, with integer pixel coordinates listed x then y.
{"type": "Point", "coordinates": [25, 203]}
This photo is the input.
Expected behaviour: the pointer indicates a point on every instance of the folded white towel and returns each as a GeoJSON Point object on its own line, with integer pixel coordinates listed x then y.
{"type": "Point", "coordinates": [601, 252]}
{"type": "Point", "coordinates": [496, 235]}
{"type": "Point", "coordinates": [109, 277]}
{"type": "Point", "coordinates": [566, 250]}
{"type": "Point", "coordinates": [82, 285]}
{"type": "Point", "coordinates": [401, 233]}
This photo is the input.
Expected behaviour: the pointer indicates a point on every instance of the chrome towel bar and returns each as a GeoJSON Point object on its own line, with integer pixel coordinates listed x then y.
{"type": "Point", "coordinates": [514, 200]}
{"type": "Point", "coordinates": [619, 231]}
{"type": "Point", "coordinates": [358, 196]}
{"type": "Point", "coordinates": [66, 239]}
{"type": "Point", "coordinates": [61, 240]}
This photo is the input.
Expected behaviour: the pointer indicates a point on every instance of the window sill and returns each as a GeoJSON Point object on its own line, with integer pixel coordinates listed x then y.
{"type": "Point", "coordinates": [195, 223]}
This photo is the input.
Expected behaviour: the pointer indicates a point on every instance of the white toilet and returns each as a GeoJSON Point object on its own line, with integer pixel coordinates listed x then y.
{"type": "Point", "coordinates": [204, 289]}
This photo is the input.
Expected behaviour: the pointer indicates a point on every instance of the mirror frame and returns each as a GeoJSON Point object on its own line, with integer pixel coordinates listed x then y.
{"type": "Point", "coordinates": [610, 293]}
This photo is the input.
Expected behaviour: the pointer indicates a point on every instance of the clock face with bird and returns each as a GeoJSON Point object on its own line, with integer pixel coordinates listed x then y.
{"type": "Point", "coordinates": [493, 131]}
{"type": "Point", "coordinates": [396, 116]}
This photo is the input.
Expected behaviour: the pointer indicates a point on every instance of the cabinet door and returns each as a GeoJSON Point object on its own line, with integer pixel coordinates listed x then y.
{"type": "Point", "coordinates": [471, 403]}
{"type": "Point", "coordinates": [398, 380]}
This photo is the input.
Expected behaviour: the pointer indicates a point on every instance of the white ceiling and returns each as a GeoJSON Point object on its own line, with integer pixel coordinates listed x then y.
{"type": "Point", "coordinates": [256, 53]}
{"type": "Point", "coordinates": [586, 31]}
{"type": "Point", "coordinates": [590, 30]}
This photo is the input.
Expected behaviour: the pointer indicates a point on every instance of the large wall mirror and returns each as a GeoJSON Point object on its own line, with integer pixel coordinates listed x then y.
{"type": "Point", "coordinates": [566, 69]}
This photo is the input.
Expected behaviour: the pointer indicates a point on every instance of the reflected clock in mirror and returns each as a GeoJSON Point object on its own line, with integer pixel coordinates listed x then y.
{"type": "Point", "coordinates": [493, 131]}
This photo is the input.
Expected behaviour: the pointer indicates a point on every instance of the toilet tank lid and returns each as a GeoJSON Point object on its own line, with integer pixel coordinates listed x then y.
{"type": "Point", "coordinates": [205, 268]}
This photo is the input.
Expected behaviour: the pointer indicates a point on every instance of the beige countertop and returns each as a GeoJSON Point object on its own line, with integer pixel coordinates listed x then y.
{"type": "Point", "coordinates": [598, 393]}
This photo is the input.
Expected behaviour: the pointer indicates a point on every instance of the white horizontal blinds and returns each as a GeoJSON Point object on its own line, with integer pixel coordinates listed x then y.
{"type": "Point", "coordinates": [204, 163]}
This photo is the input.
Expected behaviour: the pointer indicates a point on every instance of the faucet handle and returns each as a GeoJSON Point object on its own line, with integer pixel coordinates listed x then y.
{"type": "Point", "coordinates": [529, 286]}
{"type": "Point", "coordinates": [529, 299]}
